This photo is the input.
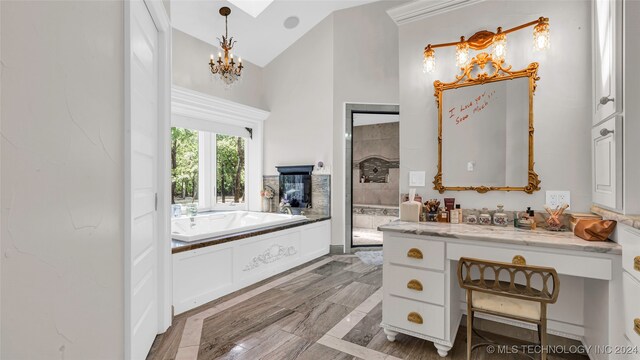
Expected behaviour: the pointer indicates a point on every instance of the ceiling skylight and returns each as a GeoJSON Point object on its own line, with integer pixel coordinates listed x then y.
{"type": "Point", "coordinates": [252, 7]}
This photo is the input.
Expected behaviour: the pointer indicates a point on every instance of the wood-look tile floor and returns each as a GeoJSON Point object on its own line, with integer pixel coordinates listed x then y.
{"type": "Point", "coordinates": [332, 311]}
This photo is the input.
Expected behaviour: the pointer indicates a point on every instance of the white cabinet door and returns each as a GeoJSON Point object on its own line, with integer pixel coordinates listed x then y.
{"type": "Point", "coordinates": [606, 148]}
{"type": "Point", "coordinates": [607, 59]}
{"type": "Point", "coordinates": [141, 253]}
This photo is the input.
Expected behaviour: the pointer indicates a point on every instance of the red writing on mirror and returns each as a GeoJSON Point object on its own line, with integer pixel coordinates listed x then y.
{"type": "Point", "coordinates": [462, 112]}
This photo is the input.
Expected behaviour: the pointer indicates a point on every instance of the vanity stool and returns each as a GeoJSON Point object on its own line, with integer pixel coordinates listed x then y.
{"type": "Point", "coordinates": [509, 299]}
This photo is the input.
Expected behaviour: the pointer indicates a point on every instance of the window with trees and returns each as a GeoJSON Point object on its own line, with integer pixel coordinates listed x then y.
{"type": "Point", "coordinates": [207, 168]}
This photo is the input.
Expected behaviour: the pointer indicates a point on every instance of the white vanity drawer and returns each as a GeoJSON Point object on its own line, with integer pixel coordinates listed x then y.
{"type": "Point", "coordinates": [426, 254]}
{"type": "Point", "coordinates": [416, 284]}
{"type": "Point", "coordinates": [586, 266]}
{"type": "Point", "coordinates": [631, 290]}
{"type": "Point", "coordinates": [416, 316]}
{"type": "Point", "coordinates": [629, 238]}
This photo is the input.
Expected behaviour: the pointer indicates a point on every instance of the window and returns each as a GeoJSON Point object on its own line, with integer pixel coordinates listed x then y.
{"type": "Point", "coordinates": [184, 166]}
{"type": "Point", "coordinates": [230, 169]}
{"type": "Point", "coordinates": [208, 169]}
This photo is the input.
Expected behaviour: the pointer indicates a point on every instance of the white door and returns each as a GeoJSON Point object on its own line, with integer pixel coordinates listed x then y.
{"type": "Point", "coordinates": [607, 166]}
{"type": "Point", "coordinates": [607, 45]}
{"type": "Point", "coordinates": [142, 138]}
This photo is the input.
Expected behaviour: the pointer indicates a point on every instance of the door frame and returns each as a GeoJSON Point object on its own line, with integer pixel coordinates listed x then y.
{"type": "Point", "coordinates": [350, 109]}
{"type": "Point", "coordinates": [164, 297]}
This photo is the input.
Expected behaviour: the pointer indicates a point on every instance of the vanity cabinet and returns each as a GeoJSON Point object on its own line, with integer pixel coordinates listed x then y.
{"type": "Point", "coordinates": [606, 146]}
{"type": "Point", "coordinates": [607, 59]}
{"type": "Point", "coordinates": [629, 238]}
{"type": "Point", "coordinates": [422, 297]}
{"type": "Point", "coordinates": [615, 169]}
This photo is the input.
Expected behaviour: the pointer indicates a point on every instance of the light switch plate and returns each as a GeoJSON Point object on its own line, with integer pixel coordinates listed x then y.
{"type": "Point", "coordinates": [416, 178]}
{"type": "Point", "coordinates": [556, 198]}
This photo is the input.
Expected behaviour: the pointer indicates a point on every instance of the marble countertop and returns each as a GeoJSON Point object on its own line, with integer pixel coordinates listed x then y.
{"type": "Point", "coordinates": [629, 220]}
{"type": "Point", "coordinates": [505, 235]}
{"type": "Point", "coordinates": [180, 246]}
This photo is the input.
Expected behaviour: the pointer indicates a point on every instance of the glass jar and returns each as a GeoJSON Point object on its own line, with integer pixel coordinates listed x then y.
{"type": "Point", "coordinates": [192, 209]}
{"type": "Point", "coordinates": [485, 217]}
{"type": "Point", "coordinates": [471, 219]}
{"type": "Point", "coordinates": [500, 218]}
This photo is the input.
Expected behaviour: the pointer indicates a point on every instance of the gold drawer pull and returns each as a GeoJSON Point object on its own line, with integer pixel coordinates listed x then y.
{"type": "Point", "coordinates": [636, 325]}
{"type": "Point", "coordinates": [414, 253]}
{"type": "Point", "coordinates": [636, 263]}
{"type": "Point", "coordinates": [414, 284]}
{"type": "Point", "coordinates": [414, 317]}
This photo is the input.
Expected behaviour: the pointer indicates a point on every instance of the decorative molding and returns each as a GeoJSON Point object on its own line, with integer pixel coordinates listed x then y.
{"type": "Point", "coordinates": [423, 9]}
{"type": "Point", "coordinates": [271, 255]}
{"type": "Point", "coordinates": [159, 14]}
{"type": "Point", "coordinates": [194, 104]}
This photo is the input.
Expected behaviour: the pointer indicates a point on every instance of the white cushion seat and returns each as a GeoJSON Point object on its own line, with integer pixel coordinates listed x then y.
{"type": "Point", "coordinates": [506, 305]}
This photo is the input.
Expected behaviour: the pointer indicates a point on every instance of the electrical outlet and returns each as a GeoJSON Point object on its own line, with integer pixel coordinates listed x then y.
{"type": "Point", "coordinates": [557, 198]}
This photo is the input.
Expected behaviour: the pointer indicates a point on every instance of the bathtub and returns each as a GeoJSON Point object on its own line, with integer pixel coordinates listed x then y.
{"type": "Point", "coordinates": [212, 225]}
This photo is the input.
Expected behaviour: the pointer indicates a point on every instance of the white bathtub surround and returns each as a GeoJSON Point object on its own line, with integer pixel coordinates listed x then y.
{"type": "Point", "coordinates": [212, 225]}
{"type": "Point", "coordinates": [204, 274]}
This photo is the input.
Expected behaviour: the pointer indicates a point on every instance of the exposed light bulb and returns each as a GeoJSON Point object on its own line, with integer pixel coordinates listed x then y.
{"type": "Point", "coordinates": [462, 54]}
{"type": "Point", "coordinates": [500, 47]}
{"type": "Point", "coordinates": [429, 62]}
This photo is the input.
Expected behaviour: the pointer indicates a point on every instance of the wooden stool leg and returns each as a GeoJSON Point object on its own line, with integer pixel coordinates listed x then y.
{"type": "Point", "coordinates": [539, 334]}
{"type": "Point", "coordinates": [469, 324]}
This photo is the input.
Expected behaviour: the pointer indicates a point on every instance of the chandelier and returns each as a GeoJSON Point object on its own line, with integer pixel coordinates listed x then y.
{"type": "Point", "coordinates": [225, 67]}
{"type": "Point", "coordinates": [483, 39]}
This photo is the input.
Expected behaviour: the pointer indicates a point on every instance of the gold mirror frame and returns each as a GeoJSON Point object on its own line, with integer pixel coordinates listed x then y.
{"type": "Point", "coordinates": [500, 73]}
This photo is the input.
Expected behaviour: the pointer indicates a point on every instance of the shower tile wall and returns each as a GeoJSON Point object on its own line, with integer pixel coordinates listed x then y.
{"type": "Point", "coordinates": [376, 153]}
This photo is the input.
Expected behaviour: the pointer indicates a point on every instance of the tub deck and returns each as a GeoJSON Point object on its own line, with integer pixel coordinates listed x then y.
{"type": "Point", "coordinates": [180, 246]}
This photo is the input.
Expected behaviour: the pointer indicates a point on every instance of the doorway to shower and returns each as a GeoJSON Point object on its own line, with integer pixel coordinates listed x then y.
{"type": "Point", "coordinates": [373, 162]}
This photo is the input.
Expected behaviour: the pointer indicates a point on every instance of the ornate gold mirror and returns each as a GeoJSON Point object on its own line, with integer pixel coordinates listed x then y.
{"type": "Point", "coordinates": [485, 128]}
{"type": "Point", "coordinates": [485, 116]}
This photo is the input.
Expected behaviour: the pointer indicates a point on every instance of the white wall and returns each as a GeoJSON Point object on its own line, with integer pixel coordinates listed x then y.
{"type": "Point", "coordinates": [299, 93]}
{"type": "Point", "coordinates": [62, 180]}
{"type": "Point", "coordinates": [365, 71]}
{"type": "Point", "coordinates": [351, 56]}
{"type": "Point", "coordinates": [562, 100]}
{"type": "Point", "coordinates": [190, 57]}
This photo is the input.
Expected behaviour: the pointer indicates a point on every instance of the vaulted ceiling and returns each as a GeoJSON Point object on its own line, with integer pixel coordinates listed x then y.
{"type": "Point", "coordinates": [259, 39]}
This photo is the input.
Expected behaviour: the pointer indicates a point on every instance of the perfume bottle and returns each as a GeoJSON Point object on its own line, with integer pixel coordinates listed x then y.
{"type": "Point", "coordinates": [443, 216]}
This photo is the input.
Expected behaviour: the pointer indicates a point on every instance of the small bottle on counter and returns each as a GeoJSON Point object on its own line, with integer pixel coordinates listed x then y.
{"type": "Point", "coordinates": [455, 216]}
{"type": "Point", "coordinates": [443, 216]}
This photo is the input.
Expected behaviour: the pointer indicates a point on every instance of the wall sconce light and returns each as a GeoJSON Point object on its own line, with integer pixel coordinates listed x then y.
{"type": "Point", "coordinates": [541, 37]}
{"type": "Point", "coordinates": [483, 39]}
{"type": "Point", "coordinates": [429, 63]}
{"type": "Point", "coordinates": [500, 45]}
{"type": "Point", "coordinates": [462, 53]}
